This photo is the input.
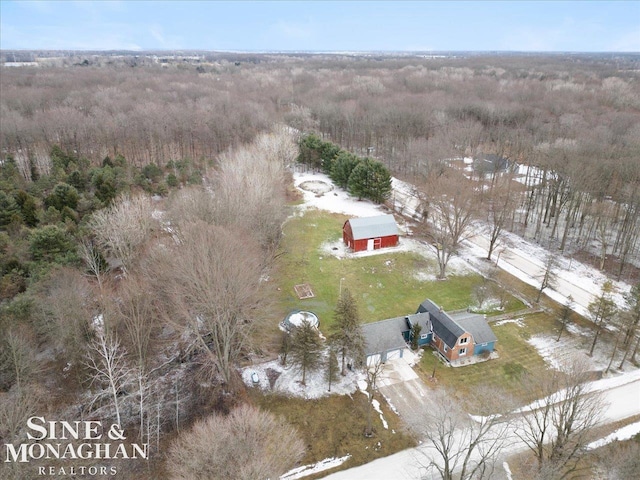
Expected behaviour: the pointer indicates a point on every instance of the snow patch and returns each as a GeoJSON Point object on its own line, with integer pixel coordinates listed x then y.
{"type": "Point", "coordinates": [624, 433]}
{"type": "Point", "coordinates": [273, 377]}
{"type": "Point", "coordinates": [321, 466]}
{"type": "Point", "coordinates": [376, 407]}
{"type": "Point", "coordinates": [507, 470]}
{"type": "Point", "coordinates": [518, 321]}
{"type": "Point", "coordinates": [335, 200]}
{"type": "Point", "coordinates": [424, 277]}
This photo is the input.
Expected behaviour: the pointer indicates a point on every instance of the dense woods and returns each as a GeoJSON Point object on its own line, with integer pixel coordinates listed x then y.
{"type": "Point", "coordinates": [568, 126]}
{"type": "Point", "coordinates": [131, 185]}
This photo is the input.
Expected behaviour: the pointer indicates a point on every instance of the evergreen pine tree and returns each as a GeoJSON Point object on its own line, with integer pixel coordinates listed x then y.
{"type": "Point", "coordinates": [370, 179]}
{"type": "Point", "coordinates": [305, 350]}
{"type": "Point", "coordinates": [346, 332]}
{"type": "Point", "coordinates": [332, 366]}
{"type": "Point", "coordinates": [343, 166]}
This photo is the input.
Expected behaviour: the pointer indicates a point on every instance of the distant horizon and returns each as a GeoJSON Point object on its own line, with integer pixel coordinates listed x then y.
{"type": "Point", "coordinates": [322, 26]}
{"type": "Point", "coordinates": [328, 52]}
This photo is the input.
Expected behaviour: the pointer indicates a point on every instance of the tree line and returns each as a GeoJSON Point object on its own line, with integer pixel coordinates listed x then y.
{"type": "Point", "coordinates": [147, 305]}
{"type": "Point", "coordinates": [568, 125]}
{"type": "Point", "coordinates": [362, 177]}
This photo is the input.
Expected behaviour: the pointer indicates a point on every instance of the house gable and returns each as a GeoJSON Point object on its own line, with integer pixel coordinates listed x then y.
{"type": "Point", "coordinates": [442, 324]}
{"type": "Point", "coordinates": [477, 326]}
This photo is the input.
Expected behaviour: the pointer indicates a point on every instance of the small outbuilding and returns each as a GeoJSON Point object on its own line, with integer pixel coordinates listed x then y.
{"type": "Point", "coordinates": [370, 233]}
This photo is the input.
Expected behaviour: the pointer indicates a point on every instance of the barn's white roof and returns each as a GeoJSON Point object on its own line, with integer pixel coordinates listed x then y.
{"type": "Point", "coordinates": [373, 227]}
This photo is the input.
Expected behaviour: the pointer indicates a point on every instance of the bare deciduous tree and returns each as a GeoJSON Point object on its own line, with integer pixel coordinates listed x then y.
{"type": "Point", "coordinates": [136, 311]}
{"type": "Point", "coordinates": [461, 446]}
{"type": "Point", "coordinates": [248, 443]}
{"type": "Point", "coordinates": [373, 370]}
{"type": "Point", "coordinates": [500, 210]}
{"type": "Point", "coordinates": [448, 211]}
{"type": "Point", "coordinates": [66, 305]}
{"type": "Point", "coordinates": [558, 426]}
{"type": "Point", "coordinates": [122, 228]}
{"type": "Point", "coordinates": [17, 356]}
{"type": "Point", "coordinates": [93, 260]}
{"type": "Point", "coordinates": [106, 360]}
{"type": "Point", "coordinates": [210, 283]}
{"type": "Point", "coordinates": [16, 406]}
{"type": "Point", "coordinates": [249, 188]}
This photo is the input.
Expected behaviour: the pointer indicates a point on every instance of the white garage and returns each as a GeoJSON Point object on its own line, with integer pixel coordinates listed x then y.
{"type": "Point", "coordinates": [385, 340]}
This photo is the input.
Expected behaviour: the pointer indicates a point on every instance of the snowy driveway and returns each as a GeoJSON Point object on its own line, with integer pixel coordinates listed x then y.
{"type": "Point", "coordinates": [404, 391]}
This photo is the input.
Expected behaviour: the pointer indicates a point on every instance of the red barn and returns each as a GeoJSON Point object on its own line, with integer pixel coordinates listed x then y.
{"type": "Point", "coordinates": [370, 233]}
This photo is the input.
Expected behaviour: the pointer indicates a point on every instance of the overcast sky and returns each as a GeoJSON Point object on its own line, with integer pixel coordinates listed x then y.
{"type": "Point", "coordinates": [577, 26]}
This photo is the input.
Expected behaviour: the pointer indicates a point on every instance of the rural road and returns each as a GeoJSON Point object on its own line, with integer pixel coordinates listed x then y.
{"type": "Point", "coordinates": [521, 258]}
{"type": "Point", "coordinates": [534, 269]}
{"type": "Point", "coordinates": [622, 393]}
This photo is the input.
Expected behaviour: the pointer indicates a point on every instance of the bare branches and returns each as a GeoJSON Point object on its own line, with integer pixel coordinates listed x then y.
{"type": "Point", "coordinates": [449, 207]}
{"type": "Point", "coordinates": [16, 407]}
{"type": "Point", "coordinates": [17, 356]}
{"type": "Point", "coordinates": [106, 359]}
{"type": "Point", "coordinates": [557, 427]}
{"type": "Point", "coordinates": [122, 228]}
{"type": "Point", "coordinates": [248, 443]}
{"type": "Point", "coordinates": [210, 284]}
{"type": "Point", "coordinates": [460, 446]}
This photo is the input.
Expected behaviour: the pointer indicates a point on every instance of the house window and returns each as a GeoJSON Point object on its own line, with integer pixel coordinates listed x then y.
{"type": "Point", "coordinates": [446, 349]}
{"type": "Point", "coordinates": [463, 351]}
{"type": "Point", "coordinates": [424, 336]}
{"type": "Point", "coordinates": [464, 340]}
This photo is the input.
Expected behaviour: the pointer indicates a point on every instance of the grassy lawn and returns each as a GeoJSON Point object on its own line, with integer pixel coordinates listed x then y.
{"type": "Point", "coordinates": [502, 374]}
{"type": "Point", "coordinates": [385, 285]}
{"type": "Point", "coordinates": [334, 427]}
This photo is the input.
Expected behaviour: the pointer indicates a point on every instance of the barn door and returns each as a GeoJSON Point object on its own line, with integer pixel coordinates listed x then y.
{"type": "Point", "coordinates": [370, 244]}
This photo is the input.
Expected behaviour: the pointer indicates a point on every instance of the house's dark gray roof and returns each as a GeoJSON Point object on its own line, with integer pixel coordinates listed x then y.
{"type": "Point", "coordinates": [385, 335]}
{"type": "Point", "coordinates": [442, 324]}
{"type": "Point", "coordinates": [477, 326]}
{"type": "Point", "coordinates": [373, 227]}
{"type": "Point", "coordinates": [421, 319]}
